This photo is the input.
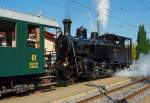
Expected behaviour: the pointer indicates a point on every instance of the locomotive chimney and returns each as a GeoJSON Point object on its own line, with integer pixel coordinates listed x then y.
{"type": "Point", "coordinates": [67, 26]}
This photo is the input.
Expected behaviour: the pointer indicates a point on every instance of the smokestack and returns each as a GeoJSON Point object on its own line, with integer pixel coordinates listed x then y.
{"type": "Point", "coordinates": [67, 26]}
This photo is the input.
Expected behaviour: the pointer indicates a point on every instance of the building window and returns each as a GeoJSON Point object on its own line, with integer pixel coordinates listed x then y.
{"type": "Point", "coordinates": [7, 33]}
{"type": "Point", "coordinates": [33, 39]}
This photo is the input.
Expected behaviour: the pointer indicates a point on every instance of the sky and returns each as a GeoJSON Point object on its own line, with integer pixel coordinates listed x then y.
{"type": "Point", "coordinates": [124, 18]}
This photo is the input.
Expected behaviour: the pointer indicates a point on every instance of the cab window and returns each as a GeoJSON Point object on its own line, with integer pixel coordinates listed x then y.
{"type": "Point", "coordinates": [7, 33]}
{"type": "Point", "coordinates": [33, 36]}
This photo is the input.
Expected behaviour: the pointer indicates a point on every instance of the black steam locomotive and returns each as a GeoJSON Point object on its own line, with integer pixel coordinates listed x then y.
{"type": "Point", "coordinates": [82, 57]}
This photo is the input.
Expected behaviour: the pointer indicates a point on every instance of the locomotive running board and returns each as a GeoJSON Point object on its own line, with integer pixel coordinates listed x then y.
{"type": "Point", "coordinates": [48, 84]}
{"type": "Point", "coordinates": [46, 77]}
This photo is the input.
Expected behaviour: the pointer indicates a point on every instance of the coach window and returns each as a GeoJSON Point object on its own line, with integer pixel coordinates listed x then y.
{"type": "Point", "coordinates": [33, 37]}
{"type": "Point", "coordinates": [7, 33]}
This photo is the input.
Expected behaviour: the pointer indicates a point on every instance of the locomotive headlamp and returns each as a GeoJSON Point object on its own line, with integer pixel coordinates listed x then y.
{"type": "Point", "coordinates": [66, 62]}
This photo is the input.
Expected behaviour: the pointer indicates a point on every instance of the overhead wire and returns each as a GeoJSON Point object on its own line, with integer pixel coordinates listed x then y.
{"type": "Point", "coordinates": [112, 17]}
{"type": "Point", "coordinates": [144, 5]}
{"type": "Point", "coordinates": [69, 7]}
{"type": "Point", "coordinates": [88, 7]}
{"type": "Point", "coordinates": [50, 2]}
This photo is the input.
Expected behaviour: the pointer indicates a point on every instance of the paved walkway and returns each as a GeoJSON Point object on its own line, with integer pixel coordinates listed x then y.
{"type": "Point", "coordinates": [146, 99]}
{"type": "Point", "coordinates": [61, 92]}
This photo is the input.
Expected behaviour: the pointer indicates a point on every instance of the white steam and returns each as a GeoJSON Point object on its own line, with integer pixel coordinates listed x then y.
{"type": "Point", "coordinates": [140, 68]}
{"type": "Point", "coordinates": [103, 7]}
{"type": "Point", "coordinates": [92, 25]}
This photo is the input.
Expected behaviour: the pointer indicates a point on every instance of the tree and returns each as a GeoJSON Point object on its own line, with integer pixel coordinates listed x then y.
{"type": "Point", "coordinates": [134, 52]}
{"type": "Point", "coordinates": [143, 44]}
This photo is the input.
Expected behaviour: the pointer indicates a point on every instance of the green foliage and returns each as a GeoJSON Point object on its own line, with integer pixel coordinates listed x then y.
{"type": "Point", "coordinates": [134, 52]}
{"type": "Point", "coordinates": [143, 44]}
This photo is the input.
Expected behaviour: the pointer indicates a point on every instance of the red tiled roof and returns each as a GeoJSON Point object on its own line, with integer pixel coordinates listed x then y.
{"type": "Point", "coordinates": [49, 36]}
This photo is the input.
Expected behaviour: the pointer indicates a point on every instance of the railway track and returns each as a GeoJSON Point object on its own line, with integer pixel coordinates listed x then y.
{"type": "Point", "coordinates": [131, 96]}
{"type": "Point", "coordinates": [120, 94]}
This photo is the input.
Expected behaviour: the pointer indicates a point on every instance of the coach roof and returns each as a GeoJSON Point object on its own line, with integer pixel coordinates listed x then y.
{"type": "Point", "coordinates": [12, 14]}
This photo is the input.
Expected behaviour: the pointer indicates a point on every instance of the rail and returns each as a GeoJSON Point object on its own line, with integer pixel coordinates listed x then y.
{"type": "Point", "coordinates": [136, 93]}
{"type": "Point", "coordinates": [114, 90]}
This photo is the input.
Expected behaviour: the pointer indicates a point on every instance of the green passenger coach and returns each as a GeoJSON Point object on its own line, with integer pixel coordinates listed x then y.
{"type": "Point", "coordinates": [21, 49]}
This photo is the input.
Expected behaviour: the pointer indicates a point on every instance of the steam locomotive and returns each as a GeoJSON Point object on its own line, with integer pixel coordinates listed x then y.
{"type": "Point", "coordinates": [81, 57]}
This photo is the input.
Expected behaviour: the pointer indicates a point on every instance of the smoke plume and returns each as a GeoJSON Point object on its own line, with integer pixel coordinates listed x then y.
{"type": "Point", "coordinates": [140, 68]}
{"type": "Point", "coordinates": [103, 7]}
{"type": "Point", "coordinates": [92, 25]}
